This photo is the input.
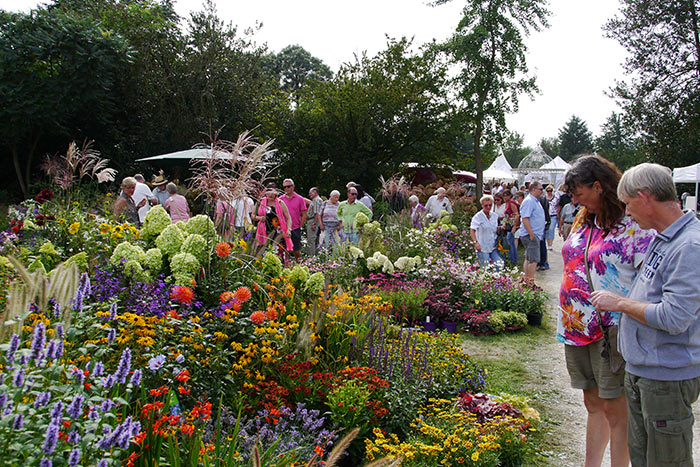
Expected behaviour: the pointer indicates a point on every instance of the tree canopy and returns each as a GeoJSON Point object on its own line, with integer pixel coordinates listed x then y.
{"type": "Point", "coordinates": [574, 139]}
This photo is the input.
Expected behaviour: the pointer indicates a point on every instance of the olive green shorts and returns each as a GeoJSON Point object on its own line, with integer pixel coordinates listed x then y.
{"type": "Point", "coordinates": [588, 369]}
{"type": "Point", "coordinates": [660, 421]}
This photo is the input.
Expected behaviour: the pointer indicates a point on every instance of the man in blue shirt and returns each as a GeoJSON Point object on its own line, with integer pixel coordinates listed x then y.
{"type": "Point", "coordinates": [531, 230]}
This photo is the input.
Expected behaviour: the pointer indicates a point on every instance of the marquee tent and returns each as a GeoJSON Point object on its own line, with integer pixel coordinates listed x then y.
{"type": "Point", "coordinates": [196, 153]}
{"type": "Point", "coordinates": [689, 174]}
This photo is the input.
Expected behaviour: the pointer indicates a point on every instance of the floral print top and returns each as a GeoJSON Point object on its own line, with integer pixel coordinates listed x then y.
{"type": "Point", "coordinates": [613, 261]}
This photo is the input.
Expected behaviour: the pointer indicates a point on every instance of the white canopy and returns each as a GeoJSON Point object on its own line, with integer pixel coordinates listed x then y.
{"type": "Point", "coordinates": [557, 164]}
{"type": "Point", "coordinates": [501, 163]}
{"type": "Point", "coordinates": [689, 174]}
{"type": "Point", "coordinates": [197, 153]}
{"type": "Point", "coordinates": [495, 174]}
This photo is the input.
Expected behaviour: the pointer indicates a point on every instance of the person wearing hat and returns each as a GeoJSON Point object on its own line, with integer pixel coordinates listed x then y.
{"type": "Point", "coordinates": [160, 191]}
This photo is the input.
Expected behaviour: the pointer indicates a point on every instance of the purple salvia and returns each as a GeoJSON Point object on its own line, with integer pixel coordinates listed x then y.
{"type": "Point", "coordinates": [102, 463]}
{"type": "Point", "coordinates": [124, 366]}
{"type": "Point", "coordinates": [93, 415]}
{"type": "Point", "coordinates": [57, 412]}
{"type": "Point", "coordinates": [98, 370]}
{"type": "Point", "coordinates": [136, 378]}
{"type": "Point", "coordinates": [14, 344]}
{"type": "Point", "coordinates": [18, 379]}
{"type": "Point", "coordinates": [56, 310]}
{"type": "Point", "coordinates": [60, 332]}
{"type": "Point", "coordinates": [106, 405]}
{"type": "Point", "coordinates": [135, 428]}
{"type": "Point", "coordinates": [18, 422]}
{"type": "Point", "coordinates": [59, 349]}
{"type": "Point", "coordinates": [108, 381]}
{"type": "Point", "coordinates": [38, 339]}
{"type": "Point", "coordinates": [45, 462]}
{"type": "Point", "coordinates": [51, 349]}
{"type": "Point", "coordinates": [50, 438]}
{"type": "Point", "coordinates": [42, 399]}
{"type": "Point", "coordinates": [74, 408]}
{"type": "Point", "coordinates": [111, 335]}
{"type": "Point", "coordinates": [78, 375]}
{"type": "Point", "coordinates": [74, 457]}
{"type": "Point", "coordinates": [3, 400]}
{"type": "Point", "coordinates": [113, 311]}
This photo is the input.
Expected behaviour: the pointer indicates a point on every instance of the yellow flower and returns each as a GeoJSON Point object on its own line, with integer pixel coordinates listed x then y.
{"type": "Point", "coordinates": [475, 456]}
{"type": "Point", "coordinates": [73, 228]}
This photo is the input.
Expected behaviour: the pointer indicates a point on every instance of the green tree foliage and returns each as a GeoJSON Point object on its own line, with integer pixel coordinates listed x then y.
{"type": "Point", "coordinates": [661, 97]}
{"type": "Point", "coordinates": [551, 146]}
{"type": "Point", "coordinates": [617, 143]}
{"type": "Point", "coordinates": [57, 77]}
{"type": "Point", "coordinates": [574, 139]}
{"type": "Point", "coordinates": [294, 66]}
{"type": "Point", "coordinates": [513, 148]}
{"type": "Point", "coordinates": [375, 114]}
{"type": "Point", "coordinates": [489, 47]}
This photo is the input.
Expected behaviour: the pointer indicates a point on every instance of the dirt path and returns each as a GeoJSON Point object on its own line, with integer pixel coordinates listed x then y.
{"type": "Point", "coordinates": [562, 406]}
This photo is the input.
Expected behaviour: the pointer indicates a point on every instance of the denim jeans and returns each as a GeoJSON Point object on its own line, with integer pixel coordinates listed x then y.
{"type": "Point", "coordinates": [513, 253]}
{"type": "Point", "coordinates": [493, 256]}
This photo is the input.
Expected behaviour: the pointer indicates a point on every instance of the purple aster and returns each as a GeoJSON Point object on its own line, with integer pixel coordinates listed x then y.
{"type": "Point", "coordinates": [155, 363]}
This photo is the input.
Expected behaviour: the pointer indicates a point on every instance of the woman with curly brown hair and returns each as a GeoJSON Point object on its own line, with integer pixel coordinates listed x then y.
{"type": "Point", "coordinates": [602, 252]}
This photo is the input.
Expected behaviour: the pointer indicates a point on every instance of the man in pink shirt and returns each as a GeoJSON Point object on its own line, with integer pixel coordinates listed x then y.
{"type": "Point", "coordinates": [297, 211]}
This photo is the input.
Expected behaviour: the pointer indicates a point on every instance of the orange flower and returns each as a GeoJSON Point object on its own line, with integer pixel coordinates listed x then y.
{"type": "Point", "coordinates": [258, 317]}
{"type": "Point", "coordinates": [182, 294]}
{"type": "Point", "coordinates": [183, 390]}
{"type": "Point", "coordinates": [271, 314]}
{"type": "Point", "coordinates": [223, 249]}
{"type": "Point", "coordinates": [225, 297]}
{"type": "Point", "coordinates": [243, 294]}
{"type": "Point", "coordinates": [183, 376]}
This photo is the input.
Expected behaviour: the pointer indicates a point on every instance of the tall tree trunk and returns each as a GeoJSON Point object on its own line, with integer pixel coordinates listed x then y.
{"type": "Point", "coordinates": [18, 170]}
{"type": "Point", "coordinates": [477, 160]}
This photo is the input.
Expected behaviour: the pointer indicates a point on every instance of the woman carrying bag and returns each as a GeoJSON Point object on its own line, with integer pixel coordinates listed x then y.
{"type": "Point", "coordinates": [602, 252]}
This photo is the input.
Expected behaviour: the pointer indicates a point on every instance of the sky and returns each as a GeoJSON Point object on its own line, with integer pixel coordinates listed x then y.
{"type": "Point", "coordinates": [574, 64]}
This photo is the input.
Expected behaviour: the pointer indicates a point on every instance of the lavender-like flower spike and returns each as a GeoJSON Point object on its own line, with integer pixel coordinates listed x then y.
{"type": "Point", "coordinates": [18, 422]}
{"type": "Point", "coordinates": [18, 379]}
{"type": "Point", "coordinates": [98, 370]}
{"type": "Point", "coordinates": [59, 349]}
{"type": "Point", "coordinates": [74, 457]}
{"type": "Point", "coordinates": [51, 349]}
{"type": "Point", "coordinates": [57, 311]}
{"type": "Point", "coordinates": [108, 381]}
{"type": "Point", "coordinates": [111, 335]}
{"type": "Point", "coordinates": [136, 378]}
{"type": "Point", "coordinates": [124, 366]}
{"type": "Point", "coordinates": [3, 400]}
{"type": "Point", "coordinates": [102, 463]}
{"type": "Point", "coordinates": [45, 462]}
{"type": "Point", "coordinates": [14, 344]}
{"type": "Point", "coordinates": [42, 399]}
{"type": "Point", "coordinates": [60, 332]}
{"type": "Point", "coordinates": [106, 405]}
{"type": "Point", "coordinates": [50, 438]}
{"type": "Point", "coordinates": [113, 311]}
{"type": "Point", "coordinates": [38, 339]}
{"type": "Point", "coordinates": [57, 412]}
{"type": "Point", "coordinates": [74, 408]}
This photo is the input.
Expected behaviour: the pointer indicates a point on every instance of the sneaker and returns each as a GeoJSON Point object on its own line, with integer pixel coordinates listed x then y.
{"type": "Point", "coordinates": [540, 268]}
{"type": "Point", "coordinates": [545, 267]}
{"type": "Point", "coordinates": [549, 247]}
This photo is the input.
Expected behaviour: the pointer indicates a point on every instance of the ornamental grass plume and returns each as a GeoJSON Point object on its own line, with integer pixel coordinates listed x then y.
{"type": "Point", "coordinates": [76, 164]}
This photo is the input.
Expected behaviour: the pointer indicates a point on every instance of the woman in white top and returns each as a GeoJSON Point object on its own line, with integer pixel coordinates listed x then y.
{"type": "Point", "coordinates": [499, 207]}
{"type": "Point", "coordinates": [483, 230]}
{"type": "Point", "coordinates": [329, 223]}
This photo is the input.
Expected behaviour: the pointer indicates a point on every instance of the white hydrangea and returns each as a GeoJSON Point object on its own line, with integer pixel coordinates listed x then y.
{"type": "Point", "coordinates": [378, 261]}
{"type": "Point", "coordinates": [356, 252]}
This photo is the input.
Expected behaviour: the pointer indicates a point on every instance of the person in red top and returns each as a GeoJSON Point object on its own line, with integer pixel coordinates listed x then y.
{"type": "Point", "coordinates": [296, 205]}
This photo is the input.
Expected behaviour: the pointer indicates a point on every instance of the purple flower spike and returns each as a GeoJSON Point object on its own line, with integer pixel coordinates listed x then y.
{"type": "Point", "coordinates": [45, 462]}
{"type": "Point", "coordinates": [124, 366]}
{"type": "Point", "coordinates": [74, 408]}
{"type": "Point", "coordinates": [38, 340]}
{"type": "Point", "coordinates": [18, 379]}
{"type": "Point", "coordinates": [50, 438]}
{"type": "Point", "coordinates": [98, 370]}
{"type": "Point", "coordinates": [74, 457]}
{"type": "Point", "coordinates": [14, 344]}
{"type": "Point", "coordinates": [18, 422]}
{"type": "Point", "coordinates": [136, 378]}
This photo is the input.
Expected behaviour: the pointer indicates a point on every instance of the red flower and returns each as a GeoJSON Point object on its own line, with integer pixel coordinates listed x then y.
{"type": "Point", "coordinates": [223, 249]}
{"type": "Point", "coordinates": [183, 390]}
{"type": "Point", "coordinates": [271, 314]}
{"type": "Point", "coordinates": [225, 297]}
{"type": "Point", "coordinates": [258, 317]}
{"type": "Point", "coordinates": [242, 293]}
{"type": "Point", "coordinates": [183, 295]}
{"type": "Point", "coordinates": [183, 376]}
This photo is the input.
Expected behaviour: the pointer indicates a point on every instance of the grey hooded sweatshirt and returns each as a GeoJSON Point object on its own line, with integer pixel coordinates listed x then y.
{"type": "Point", "coordinates": [668, 347]}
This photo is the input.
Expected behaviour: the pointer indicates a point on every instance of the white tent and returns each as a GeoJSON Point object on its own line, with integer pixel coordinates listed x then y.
{"type": "Point", "coordinates": [689, 174]}
{"type": "Point", "coordinates": [499, 175]}
{"type": "Point", "coordinates": [195, 153]}
{"type": "Point", "coordinates": [558, 164]}
{"type": "Point", "coordinates": [501, 163]}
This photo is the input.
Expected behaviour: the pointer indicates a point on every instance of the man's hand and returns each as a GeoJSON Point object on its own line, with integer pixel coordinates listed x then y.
{"type": "Point", "coordinates": [141, 203]}
{"type": "Point", "coordinates": [605, 301]}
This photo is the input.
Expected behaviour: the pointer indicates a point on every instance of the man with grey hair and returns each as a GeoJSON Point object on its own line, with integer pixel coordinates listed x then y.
{"type": "Point", "coordinates": [313, 222]}
{"type": "Point", "coordinates": [438, 203]}
{"type": "Point", "coordinates": [297, 211]}
{"type": "Point", "coordinates": [531, 231]}
{"type": "Point", "coordinates": [660, 323]}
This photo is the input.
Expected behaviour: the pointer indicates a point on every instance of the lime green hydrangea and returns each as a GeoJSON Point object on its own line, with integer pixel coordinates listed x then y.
{"type": "Point", "coordinates": [48, 249]}
{"type": "Point", "coordinates": [181, 225]}
{"type": "Point", "coordinates": [203, 226]}
{"type": "Point", "coordinates": [196, 245]}
{"type": "Point", "coordinates": [80, 260]}
{"type": "Point", "coordinates": [360, 220]}
{"type": "Point", "coordinates": [356, 252]}
{"type": "Point", "coordinates": [372, 229]}
{"type": "Point", "coordinates": [170, 240]}
{"type": "Point", "coordinates": [153, 261]}
{"type": "Point", "coordinates": [379, 261]}
{"type": "Point", "coordinates": [407, 263]}
{"type": "Point", "coordinates": [299, 275]}
{"type": "Point", "coordinates": [271, 264]}
{"type": "Point", "coordinates": [157, 219]}
{"type": "Point", "coordinates": [36, 265]}
{"type": "Point", "coordinates": [315, 283]}
{"type": "Point", "coordinates": [184, 267]}
{"type": "Point", "coordinates": [125, 251]}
